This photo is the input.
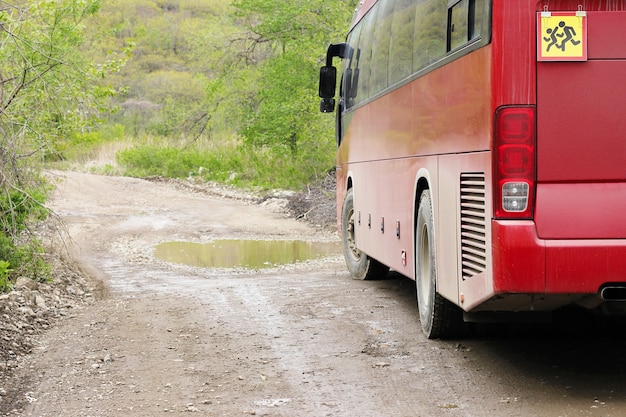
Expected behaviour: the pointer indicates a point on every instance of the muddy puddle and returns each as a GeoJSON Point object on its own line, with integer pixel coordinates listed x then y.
{"type": "Point", "coordinates": [251, 254]}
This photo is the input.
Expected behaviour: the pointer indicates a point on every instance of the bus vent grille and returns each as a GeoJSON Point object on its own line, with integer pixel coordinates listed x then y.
{"type": "Point", "coordinates": [473, 243]}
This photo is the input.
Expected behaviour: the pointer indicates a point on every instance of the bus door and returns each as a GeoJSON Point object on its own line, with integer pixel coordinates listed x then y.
{"type": "Point", "coordinates": [581, 128]}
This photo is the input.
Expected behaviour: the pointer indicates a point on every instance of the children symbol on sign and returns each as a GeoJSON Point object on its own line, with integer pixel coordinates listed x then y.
{"type": "Point", "coordinates": [561, 31]}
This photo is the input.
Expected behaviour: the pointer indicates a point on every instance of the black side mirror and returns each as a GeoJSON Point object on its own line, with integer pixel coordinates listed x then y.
{"type": "Point", "coordinates": [327, 105]}
{"type": "Point", "coordinates": [328, 85]}
{"type": "Point", "coordinates": [328, 76]}
{"type": "Point", "coordinates": [328, 82]}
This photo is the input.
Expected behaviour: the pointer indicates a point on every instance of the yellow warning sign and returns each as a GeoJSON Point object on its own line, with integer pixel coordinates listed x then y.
{"type": "Point", "coordinates": [562, 36]}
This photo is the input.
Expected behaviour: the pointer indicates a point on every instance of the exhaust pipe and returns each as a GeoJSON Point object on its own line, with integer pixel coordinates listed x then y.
{"type": "Point", "coordinates": [614, 293]}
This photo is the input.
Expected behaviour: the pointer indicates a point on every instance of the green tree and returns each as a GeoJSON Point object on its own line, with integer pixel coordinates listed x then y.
{"type": "Point", "coordinates": [211, 78]}
{"type": "Point", "coordinates": [282, 118]}
{"type": "Point", "coordinates": [286, 42]}
{"type": "Point", "coordinates": [46, 92]}
{"type": "Point", "coordinates": [297, 22]}
{"type": "Point", "coordinates": [175, 46]}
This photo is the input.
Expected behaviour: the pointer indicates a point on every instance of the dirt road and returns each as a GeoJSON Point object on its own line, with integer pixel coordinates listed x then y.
{"type": "Point", "coordinates": [296, 340]}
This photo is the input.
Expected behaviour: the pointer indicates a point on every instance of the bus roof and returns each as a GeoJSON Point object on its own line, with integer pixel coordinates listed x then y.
{"type": "Point", "coordinates": [362, 9]}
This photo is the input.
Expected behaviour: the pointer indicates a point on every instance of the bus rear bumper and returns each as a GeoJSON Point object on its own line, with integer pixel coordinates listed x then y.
{"type": "Point", "coordinates": [531, 273]}
{"type": "Point", "coordinates": [584, 266]}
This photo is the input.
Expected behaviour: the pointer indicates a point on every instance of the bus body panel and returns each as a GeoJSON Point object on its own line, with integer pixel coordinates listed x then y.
{"type": "Point", "coordinates": [586, 5]}
{"type": "Point", "coordinates": [442, 112]}
{"type": "Point", "coordinates": [390, 139]}
{"type": "Point", "coordinates": [584, 266]}
{"type": "Point", "coordinates": [581, 210]}
{"type": "Point", "coordinates": [524, 263]}
{"type": "Point", "coordinates": [581, 162]}
{"type": "Point", "coordinates": [604, 29]}
{"type": "Point", "coordinates": [380, 215]}
{"type": "Point", "coordinates": [514, 54]}
{"type": "Point", "coordinates": [518, 258]}
{"type": "Point", "coordinates": [462, 289]}
{"type": "Point", "coordinates": [581, 125]}
{"type": "Point", "coordinates": [581, 134]}
{"type": "Point", "coordinates": [341, 178]}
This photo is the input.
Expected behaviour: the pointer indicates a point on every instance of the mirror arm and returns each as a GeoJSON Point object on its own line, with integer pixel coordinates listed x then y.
{"type": "Point", "coordinates": [340, 50]}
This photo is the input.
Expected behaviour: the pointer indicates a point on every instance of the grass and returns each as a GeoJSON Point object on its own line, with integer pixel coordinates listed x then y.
{"type": "Point", "coordinates": [227, 161]}
{"type": "Point", "coordinates": [238, 165]}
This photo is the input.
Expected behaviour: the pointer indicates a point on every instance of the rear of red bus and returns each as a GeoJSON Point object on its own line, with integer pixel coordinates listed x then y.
{"type": "Point", "coordinates": [558, 232]}
{"type": "Point", "coordinates": [521, 144]}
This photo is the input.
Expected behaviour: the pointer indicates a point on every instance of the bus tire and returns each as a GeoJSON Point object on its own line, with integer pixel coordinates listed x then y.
{"type": "Point", "coordinates": [359, 264]}
{"type": "Point", "coordinates": [439, 317]}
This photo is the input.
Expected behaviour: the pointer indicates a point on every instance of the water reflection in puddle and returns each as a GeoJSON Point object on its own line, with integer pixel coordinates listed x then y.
{"type": "Point", "coordinates": [253, 254]}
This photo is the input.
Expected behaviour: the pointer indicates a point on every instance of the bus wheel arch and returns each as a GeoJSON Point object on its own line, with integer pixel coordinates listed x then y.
{"type": "Point", "coordinates": [439, 317]}
{"type": "Point", "coordinates": [359, 264]}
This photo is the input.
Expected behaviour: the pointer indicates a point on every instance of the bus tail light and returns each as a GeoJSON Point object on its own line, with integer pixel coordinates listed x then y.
{"type": "Point", "coordinates": [514, 162]}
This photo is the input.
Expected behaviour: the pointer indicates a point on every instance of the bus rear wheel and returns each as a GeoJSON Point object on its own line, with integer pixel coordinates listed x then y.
{"type": "Point", "coordinates": [439, 317]}
{"type": "Point", "coordinates": [359, 264]}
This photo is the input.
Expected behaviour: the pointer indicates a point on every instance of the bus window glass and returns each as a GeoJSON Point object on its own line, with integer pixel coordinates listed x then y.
{"type": "Point", "coordinates": [380, 47]}
{"type": "Point", "coordinates": [430, 32]}
{"type": "Point", "coordinates": [477, 9]}
{"type": "Point", "coordinates": [364, 56]}
{"type": "Point", "coordinates": [351, 71]}
{"type": "Point", "coordinates": [458, 24]}
{"type": "Point", "coordinates": [401, 48]}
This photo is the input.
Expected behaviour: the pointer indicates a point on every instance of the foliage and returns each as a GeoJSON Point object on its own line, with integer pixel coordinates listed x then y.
{"type": "Point", "coordinates": [222, 83]}
{"type": "Point", "coordinates": [5, 280]}
{"type": "Point", "coordinates": [23, 254]}
{"type": "Point", "coordinates": [44, 77]}
{"type": "Point", "coordinates": [82, 145]}
{"type": "Point", "coordinates": [25, 259]}
{"type": "Point", "coordinates": [239, 165]}
{"type": "Point", "coordinates": [165, 82]}
{"type": "Point", "coordinates": [18, 209]}
{"type": "Point", "coordinates": [47, 91]}
{"type": "Point", "coordinates": [280, 54]}
{"type": "Point", "coordinates": [223, 91]}
{"type": "Point", "coordinates": [297, 22]}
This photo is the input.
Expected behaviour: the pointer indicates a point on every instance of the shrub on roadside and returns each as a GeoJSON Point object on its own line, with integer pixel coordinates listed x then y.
{"type": "Point", "coordinates": [21, 254]}
{"type": "Point", "coordinates": [21, 259]}
{"type": "Point", "coordinates": [237, 165]}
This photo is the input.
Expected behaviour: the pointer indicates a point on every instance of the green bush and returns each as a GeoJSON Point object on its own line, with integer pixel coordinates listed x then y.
{"type": "Point", "coordinates": [84, 145]}
{"type": "Point", "coordinates": [5, 279]}
{"type": "Point", "coordinates": [20, 253]}
{"type": "Point", "coordinates": [25, 259]}
{"type": "Point", "coordinates": [18, 209]}
{"type": "Point", "coordinates": [243, 166]}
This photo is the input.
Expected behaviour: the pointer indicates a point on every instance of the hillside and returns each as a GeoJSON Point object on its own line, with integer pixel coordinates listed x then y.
{"type": "Point", "coordinates": [216, 90]}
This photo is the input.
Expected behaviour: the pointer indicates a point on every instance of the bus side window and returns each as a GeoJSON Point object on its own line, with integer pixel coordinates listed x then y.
{"type": "Point", "coordinates": [477, 13]}
{"type": "Point", "coordinates": [364, 58]}
{"type": "Point", "coordinates": [465, 21]}
{"type": "Point", "coordinates": [380, 47]}
{"type": "Point", "coordinates": [355, 76]}
{"type": "Point", "coordinates": [458, 28]}
{"type": "Point", "coordinates": [429, 43]}
{"type": "Point", "coordinates": [351, 70]}
{"type": "Point", "coordinates": [401, 48]}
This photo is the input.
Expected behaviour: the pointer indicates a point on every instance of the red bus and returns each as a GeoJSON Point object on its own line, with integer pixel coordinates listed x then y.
{"type": "Point", "coordinates": [482, 152]}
